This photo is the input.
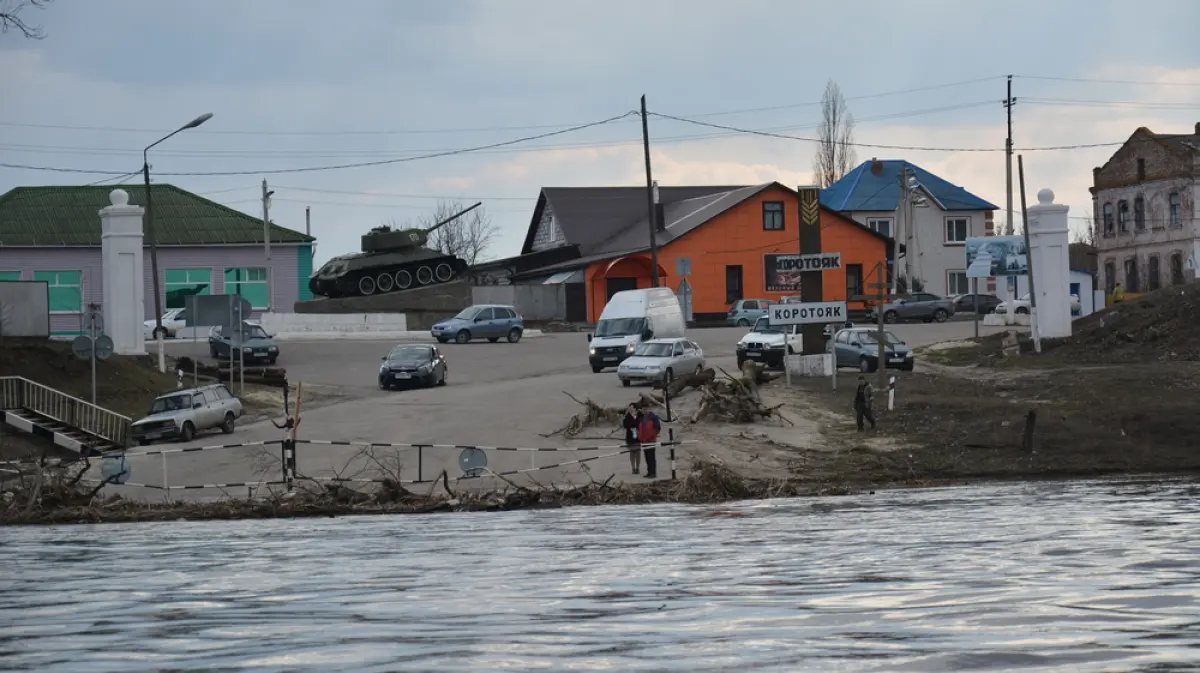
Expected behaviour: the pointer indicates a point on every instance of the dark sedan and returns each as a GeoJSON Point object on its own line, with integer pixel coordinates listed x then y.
{"type": "Point", "coordinates": [965, 303]}
{"type": "Point", "coordinates": [413, 365]}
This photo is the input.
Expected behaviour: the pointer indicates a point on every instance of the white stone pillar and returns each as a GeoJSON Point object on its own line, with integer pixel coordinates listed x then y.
{"type": "Point", "coordinates": [1049, 241]}
{"type": "Point", "coordinates": [124, 279]}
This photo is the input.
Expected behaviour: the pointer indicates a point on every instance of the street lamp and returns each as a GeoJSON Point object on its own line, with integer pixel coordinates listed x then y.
{"type": "Point", "coordinates": [158, 328]}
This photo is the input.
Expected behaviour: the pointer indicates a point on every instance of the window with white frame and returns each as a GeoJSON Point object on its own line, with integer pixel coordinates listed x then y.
{"type": "Point", "coordinates": [251, 284]}
{"type": "Point", "coordinates": [880, 226]}
{"type": "Point", "coordinates": [65, 289]}
{"type": "Point", "coordinates": [183, 283]}
{"type": "Point", "coordinates": [957, 230]}
{"type": "Point", "coordinates": [956, 282]}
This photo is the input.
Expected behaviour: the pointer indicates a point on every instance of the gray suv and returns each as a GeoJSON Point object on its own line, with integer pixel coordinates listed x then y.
{"type": "Point", "coordinates": [917, 306]}
{"type": "Point", "coordinates": [859, 347]}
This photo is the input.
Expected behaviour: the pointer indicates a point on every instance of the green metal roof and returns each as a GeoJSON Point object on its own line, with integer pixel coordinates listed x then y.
{"type": "Point", "coordinates": [54, 216]}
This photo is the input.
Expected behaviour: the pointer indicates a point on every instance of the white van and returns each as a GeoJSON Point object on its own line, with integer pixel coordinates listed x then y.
{"type": "Point", "coordinates": [631, 317]}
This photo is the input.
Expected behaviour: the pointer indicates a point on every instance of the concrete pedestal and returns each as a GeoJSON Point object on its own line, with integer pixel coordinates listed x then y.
{"type": "Point", "coordinates": [123, 279]}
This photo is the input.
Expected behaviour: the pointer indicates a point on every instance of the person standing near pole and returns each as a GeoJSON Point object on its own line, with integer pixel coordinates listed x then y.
{"type": "Point", "coordinates": [647, 433]}
{"type": "Point", "coordinates": [863, 399]}
{"type": "Point", "coordinates": [630, 423]}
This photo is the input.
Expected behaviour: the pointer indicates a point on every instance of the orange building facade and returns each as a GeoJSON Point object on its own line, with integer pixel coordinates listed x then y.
{"type": "Point", "coordinates": [731, 257]}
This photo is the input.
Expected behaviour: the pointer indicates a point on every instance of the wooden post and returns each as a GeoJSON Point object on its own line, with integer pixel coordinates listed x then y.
{"type": "Point", "coordinates": [1030, 422]}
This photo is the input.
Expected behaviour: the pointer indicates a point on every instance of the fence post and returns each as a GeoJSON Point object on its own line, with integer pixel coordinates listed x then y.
{"type": "Point", "coordinates": [671, 438]}
{"type": "Point", "coordinates": [289, 462]}
{"type": "Point", "coordinates": [166, 483]}
{"type": "Point", "coordinates": [420, 461]}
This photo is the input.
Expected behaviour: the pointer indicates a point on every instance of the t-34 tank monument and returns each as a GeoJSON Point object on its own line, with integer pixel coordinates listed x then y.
{"type": "Point", "coordinates": [390, 260]}
{"type": "Point", "coordinates": [394, 273]}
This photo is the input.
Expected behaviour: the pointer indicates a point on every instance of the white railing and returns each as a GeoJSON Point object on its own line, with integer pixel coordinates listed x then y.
{"type": "Point", "coordinates": [17, 392]}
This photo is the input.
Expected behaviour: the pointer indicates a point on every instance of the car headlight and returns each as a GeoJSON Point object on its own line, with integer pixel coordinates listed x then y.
{"type": "Point", "coordinates": [424, 369]}
{"type": "Point", "coordinates": [629, 348]}
{"type": "Point", "coordinates": [383, 369]}
{"type": "Point", "coordinates": [591, 351]}
{"type": "Point", "coordinates": [247, 350]}
{"type": "Point", "coordinates": [273, 348]}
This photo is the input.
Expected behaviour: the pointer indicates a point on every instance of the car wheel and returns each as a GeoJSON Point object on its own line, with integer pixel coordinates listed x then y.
{"type": "Point", "coordinates": [864, 365]}
{"type": "Point", "coordinates": [699, 369]}
{"type": "Point", "coordinates": [941, 315]}
{"type": "Point", "coordinates": [514, 335]}
{"type": "Point", "coordinates": [442, 381]}
{"type": "Point", "coordinates": [462, 337]}
{"type": "Point", "coordinates": [493, 339]}
{"type": "Point", "coordinates": [383, 385]}
{"type": "Point", "coordinates": [227, 425]}
{"type": "Point", "coordinates": [668, 375]}
{"type": "Point", "coordinates": [743, 323]}
{"type": "Point", "coordinates": [907, 366]}
{"type": "Point", "coordinates": [143, 442]}
{"type": "Point", "coordinates": [159, 331]}
{"type": "Point", "coordinates": [740, 362]}
{"type": "Point", "coordinates": [890, 316]}
{"type": "Point", "coordinates": [1022, 311]}
{"type": "Point", "coordinates": [271, 361]}
{"type": "Point", "coordinates": [188, 432]}
{"type": "Point", "coordinates": [213, 352]}
{"type": "Point", "coordinates": [625, 382]}
{"type": "Point", "coordinates": [596, 369]}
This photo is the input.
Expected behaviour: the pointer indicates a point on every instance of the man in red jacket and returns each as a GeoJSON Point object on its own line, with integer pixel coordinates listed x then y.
{"type": "Point", "coordinates": [648, 428]}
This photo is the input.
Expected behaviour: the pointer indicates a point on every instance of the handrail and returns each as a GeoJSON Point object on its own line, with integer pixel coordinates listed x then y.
{"type": "Point", "coordinates": [18, 392]}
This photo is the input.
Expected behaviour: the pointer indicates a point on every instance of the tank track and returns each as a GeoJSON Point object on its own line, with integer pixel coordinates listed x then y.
{"type": "Point", "coordinates": [392, 278]}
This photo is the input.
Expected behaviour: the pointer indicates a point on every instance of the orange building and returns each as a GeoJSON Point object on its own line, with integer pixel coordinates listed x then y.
{"type": "Point", "coordinates": [715, 245]}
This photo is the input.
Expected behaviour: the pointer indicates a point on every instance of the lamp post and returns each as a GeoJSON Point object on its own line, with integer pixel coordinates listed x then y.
{"type": "Point", "coordinates": [158, 328]}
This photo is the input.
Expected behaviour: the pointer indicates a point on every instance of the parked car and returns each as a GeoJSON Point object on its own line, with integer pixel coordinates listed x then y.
{"type": "Point", "coordinates": [744, 312]}
{"type": "Point", "coordinates": [481, 321]}
{"type": "Point", "coordinates": [256, 344]}
{"type": "Point", "coordinates": [916, 306]}
{"type": "Point", "coordinates": [631, 317]}
{"type": "Point", "coordinates": [767, 344]}
{"type": "Point", "coordinates": [183, 413]}
{"type": "Point", "coordinates": [413, 364]}
{"type": "Point", "coordinates": [965, 303]}
{"type": "Point", "coordinates": [859, 347]}
{"type": "Point", "coordinates": [1021, 305]}
{"type": "Point", "coordinates": [661, 360]}
{"type": "Point", "coordinates": [172, 321]}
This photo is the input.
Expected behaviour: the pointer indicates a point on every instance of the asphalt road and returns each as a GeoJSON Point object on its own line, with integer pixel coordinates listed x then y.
{"type": "Point", "coordinates": [497, 395]}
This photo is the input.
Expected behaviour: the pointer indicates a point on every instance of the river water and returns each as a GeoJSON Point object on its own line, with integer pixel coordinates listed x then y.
{"type": "Point", "coordinates": [1077, 576]}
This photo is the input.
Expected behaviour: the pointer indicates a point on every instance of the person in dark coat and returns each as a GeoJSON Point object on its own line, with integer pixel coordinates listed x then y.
{"type": "Point", "coordinates": [863, 399]}
{"type": "Point", "coordinates": [630, 422]}
{"type": "Point", "coordinates": [649, 426]}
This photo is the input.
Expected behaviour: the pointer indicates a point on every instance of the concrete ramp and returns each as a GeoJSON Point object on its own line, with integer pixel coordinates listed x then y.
{"type": "Point", "coordinates": [422, 306]}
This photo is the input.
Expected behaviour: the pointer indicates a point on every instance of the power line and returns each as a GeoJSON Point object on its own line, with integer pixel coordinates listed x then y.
{"type": "Point", "coordinates": [310, 169]}
{"type": "Point", "coordinates": [1084, 80]}
{"type": "Point", "coordinates": [110, 151]}
{"type": "Point", "coordinates": [409, 206]}
{"type": "Point", "coordinates": [406, 196]}
{"type": "Point", "coordinates": [1164, 105]}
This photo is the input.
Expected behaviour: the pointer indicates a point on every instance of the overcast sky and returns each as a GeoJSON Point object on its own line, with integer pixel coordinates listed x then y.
{"type": "Point", "coordinates": [300, 83]}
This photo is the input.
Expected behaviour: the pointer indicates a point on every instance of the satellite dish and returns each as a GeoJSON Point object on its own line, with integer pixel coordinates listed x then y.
{"type": "Point", "coordinates": [473, 462]}
{"type": "Point", "coordinates": [116, 469]}
{"type": "Point", "coordinates": [104, 347]}
{"type": "Point", "coordinates": [82, 347]}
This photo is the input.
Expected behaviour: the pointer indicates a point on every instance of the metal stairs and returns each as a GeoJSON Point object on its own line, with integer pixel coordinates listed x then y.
{"type": "Point", "coordinates": [65, 420]}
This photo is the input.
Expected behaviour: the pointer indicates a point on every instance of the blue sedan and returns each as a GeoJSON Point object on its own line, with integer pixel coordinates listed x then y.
{"type": "Point", "coordinates": [482, 321]}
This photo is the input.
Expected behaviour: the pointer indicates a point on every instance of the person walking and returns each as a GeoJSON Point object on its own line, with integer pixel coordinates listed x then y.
{"type": "Point", "coordinates": [630, 423]}
{"type": "Point", "coordinates": [863, 398]}
{"type": "Point", "coordinates": [649, 425]}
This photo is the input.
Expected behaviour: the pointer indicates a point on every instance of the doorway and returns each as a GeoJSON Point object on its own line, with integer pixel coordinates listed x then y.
{"type": "Point", "coordinates": [733, 283]}
{"type": "Point", "coordinates": [576, 302]}
{"type": "Point", "coordinates": [615, 285]}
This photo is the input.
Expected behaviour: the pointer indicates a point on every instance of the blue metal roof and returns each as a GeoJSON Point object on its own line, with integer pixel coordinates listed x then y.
{"type": "Point", "coordinates": [862, 190]}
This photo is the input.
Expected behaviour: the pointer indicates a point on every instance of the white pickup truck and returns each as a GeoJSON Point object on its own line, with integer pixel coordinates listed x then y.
{"type": "Point", "coordinates": [183, 413]}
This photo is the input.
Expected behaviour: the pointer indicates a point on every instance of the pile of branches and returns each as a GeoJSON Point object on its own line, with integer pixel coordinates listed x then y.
{"type": "Point", "coordinates": [737, 399]}
{"type": "Point", "coordinates": [47, 485]}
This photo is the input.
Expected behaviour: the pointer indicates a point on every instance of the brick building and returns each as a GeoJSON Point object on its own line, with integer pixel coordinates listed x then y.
{"type": "Point", "coordinates": [1144, 198]}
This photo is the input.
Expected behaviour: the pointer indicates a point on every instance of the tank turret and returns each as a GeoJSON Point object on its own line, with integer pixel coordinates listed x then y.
{"type": "Point", "coordinates": [390, 260]}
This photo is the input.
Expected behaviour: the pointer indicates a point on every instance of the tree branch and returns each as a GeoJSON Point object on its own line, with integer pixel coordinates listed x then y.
{"type": "Point", "coordinates": [10, 17]}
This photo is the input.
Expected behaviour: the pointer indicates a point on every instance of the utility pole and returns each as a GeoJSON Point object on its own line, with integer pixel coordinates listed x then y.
{"type": "Point", "coordinates": [1009, 102]}
{"type": "Point", "coordinates": [650, 210]}
{"type": "Point", "coordinates": [308, 220]}
{"type": "Point", "coordinates": [266, 203]}
{"type": "Point", "coordinates": [902, 225]}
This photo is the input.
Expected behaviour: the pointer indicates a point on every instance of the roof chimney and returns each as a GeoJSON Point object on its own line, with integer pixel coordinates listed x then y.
{"type": "Point", "coordinates": [876, 166]}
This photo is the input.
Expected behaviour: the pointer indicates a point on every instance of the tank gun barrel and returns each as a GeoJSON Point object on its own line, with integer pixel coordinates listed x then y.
{"type": "Point", "coordinates": [452, 218]}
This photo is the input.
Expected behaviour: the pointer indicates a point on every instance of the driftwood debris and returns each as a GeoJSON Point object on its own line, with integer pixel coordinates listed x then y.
{"type": "Point", "coordinates": [694, 380]}
{"type": "Point", "coordinates": [737, 399]}
{"type": "Point", "coordinates": [592, 415]}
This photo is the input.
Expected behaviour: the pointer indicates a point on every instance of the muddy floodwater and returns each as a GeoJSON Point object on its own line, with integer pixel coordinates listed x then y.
{"type": "Point", "coordinates": [1056, 576]}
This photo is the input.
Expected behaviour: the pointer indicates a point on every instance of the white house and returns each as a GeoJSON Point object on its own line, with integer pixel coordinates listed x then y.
{"type": "Point", "coordinates": [936, 239]}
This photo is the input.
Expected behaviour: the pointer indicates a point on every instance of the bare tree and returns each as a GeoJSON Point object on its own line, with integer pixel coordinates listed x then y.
{"type": "Point", "coordinates": [1087, 233]}
{"type": "Point", "coordinates": [835, 152]}
{"type": "Point", "coordinates": [11, 19]}
{"type": "Point", "coordinates": [468, 237]}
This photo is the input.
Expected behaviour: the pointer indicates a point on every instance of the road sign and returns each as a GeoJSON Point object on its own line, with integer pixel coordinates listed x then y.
{"type": "Point", "coordinates": [812, 313]}
{"type": "Point", "coordinates": [683, 267]}
{"type": "Point", "coordinates": [473, 462]}
{"type": "Point", "coordinates": [82, 347]}
{"type": "Point", "coordinates": [103, 346]}
{"type": "Point", "coordinates": [824, 261]}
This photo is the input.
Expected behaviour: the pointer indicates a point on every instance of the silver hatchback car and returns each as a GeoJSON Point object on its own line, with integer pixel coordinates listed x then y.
{"type": "Point", "coordinates": [661, 360]}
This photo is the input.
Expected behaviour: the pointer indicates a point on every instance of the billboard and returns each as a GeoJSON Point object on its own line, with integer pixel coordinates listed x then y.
{"type": "Point", "coordinates": [996, 256]}
{"type": "Point", "coordinates": [780, 275]}
{"type": "Point", "coordinates": [24, 308]}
